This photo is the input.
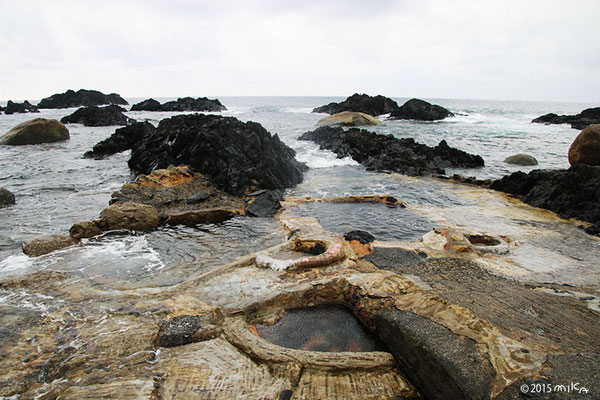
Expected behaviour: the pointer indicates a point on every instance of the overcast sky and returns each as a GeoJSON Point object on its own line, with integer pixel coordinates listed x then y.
{"type": "Point", "coordinates": [519, 50]}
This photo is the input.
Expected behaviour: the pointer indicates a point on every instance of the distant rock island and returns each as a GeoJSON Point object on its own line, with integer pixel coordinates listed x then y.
{"type": "Point", "coordinates": [414, 109]}
{"type": "Point", "coordinates": [82, 97]}
{"type": "Point", "coordinates": [25, 107]}
{"type": "Point", "coordinates": [181, 104]}
{"type": "Point", "coordinates": [582, 120]}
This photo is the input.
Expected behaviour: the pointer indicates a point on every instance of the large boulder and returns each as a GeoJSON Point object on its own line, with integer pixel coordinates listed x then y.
{"type": "Point", "coordinates": [234, 155]}
{"type": "Point", "coordinates": [571, 193]}
{"type": "Point", "coordinates": [349, 118]}
{"type": "Point", "coordinates": [25, 107]}
{"type": "Point", "coordinates": [585, 149]}
{"type": "Point", "coordinates": [420, 110]}
{"type": "Point", "coordinates": [128, 215]}
{"type": "Point", "coordinates": [181, 104]}
{"type": "Point", "coordinates": [7, 198]}
{"type": "Point", "coordinates": [98, 116]}
{"type": "Point", "coordinates": [35, 131]}
{"type": "Point", "coordinates": [582, 120]}
{"type": "Point", "coordinates": [372, 105]}
{"type": "Point", "coordinates": [521, 159]}
{"type": "Point", "coordinates": [123, 139]}
{"type": "Point", "coordinates": [82, 97]}
{"type": "Point", "coordinates": [387, 153]}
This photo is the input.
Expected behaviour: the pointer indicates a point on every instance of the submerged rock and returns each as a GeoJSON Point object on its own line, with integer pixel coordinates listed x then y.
{"type": "Point", "coordinates": [585, 149]}
{"type": "Point", "coordinates": [181, 104]}
{"type": "Point", "coordinates": [521, 159]}
{"type": "Point", "coordinates": [82, 97]}
{"type": "Point", "coordinates": [582, 120]}
{"type": "Point", "coordinates": [47, 244]}
{"type": "Point", "coordinates": [36, 131]}
{"type": "Point", "coordinates": [420, 110]}
{"type": "Point", "coordinates": [98, 116]}
{"type": "Point", "coordinates": [25, 107]}
{"type": "Point", "coordinates": [234, 155]}
{"type": "Point", "coordinates": [123, 139]}
{"type": "Point", "coordinates": [7, 198]}
{"type": "Point", "coordinates": [571, 193]}
{"type": "Point", "coordinates": [372, 105]}
{"type": "Point", "coordinates": [387, 153]}
{"type": "Point", "coordinates": [349, 118]}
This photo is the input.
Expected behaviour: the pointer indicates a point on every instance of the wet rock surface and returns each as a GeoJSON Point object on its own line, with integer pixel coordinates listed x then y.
{"type": "Point", "coordinates": [36, 131]}
{"type": "Point", "coordinates": [181, 104]}
{"type": "Point", "coordinates": [521, 159]}
{"type": "Point", "coordinates": [363, 237]}
{"type": "Point", "coordinates": [20, 108]}
{"type": "Point", "coordinates": [585, 149]}
{"type": "Point", "coordinates": [7, 197]}
{"type": "Point", "coordinates": [387, 153]}
{"type": "Point", "coordinates": [98, 116]}
{"type": "Point", "coordinates": [79, 98]}
{"type": "Point", "coordinates": [420, 110]}
{"type": "Point", "coordinates": [372, 105]}
{"type": "Point", "coordinates": [265, 204]}
{"type": "Point", "coordinates": [234, 155]}
{"type": "Point", "coordinates": [571, 193]}
{"type": "Point", "coordinates": [123, 139]}
{"type": "Point", "coordinates": [582, 120]}
{"type": "Point", "coordinates": [47, 244]}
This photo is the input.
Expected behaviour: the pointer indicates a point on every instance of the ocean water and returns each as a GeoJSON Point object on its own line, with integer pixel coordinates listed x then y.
{"type": "Point", "coordinates": [56, 187]}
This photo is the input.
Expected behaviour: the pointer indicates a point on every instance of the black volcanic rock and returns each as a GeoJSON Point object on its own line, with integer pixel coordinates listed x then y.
{"type": "Point", "coordinates": [420, 110]}
{"type": "Point", "coordinates": [98, 116]}
{"type": "Point", "coordinates": [25, 107]}
{"type": "Point", "coordinates": [571, 193]}
{"type": "Point", "coordinates": [234, 155]}
{"type": "Point", "coordinates": [123, 139]}
{"type": "Point", "coordinates": [181, 104]}
{"type": "Point", "coordinates": [82, 97]}
{"type": "Point", "coordinates": [372, 105]}
{"type": "Point", "coordinates": [387, 153]}
{"type": "Point", "coordinates": [587, 117]}
{"type": "Point", "coordinates": [7, 198]}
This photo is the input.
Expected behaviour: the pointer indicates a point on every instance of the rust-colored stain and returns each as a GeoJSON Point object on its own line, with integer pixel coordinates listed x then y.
{"type": "Point", "coordinates": [253, 329]}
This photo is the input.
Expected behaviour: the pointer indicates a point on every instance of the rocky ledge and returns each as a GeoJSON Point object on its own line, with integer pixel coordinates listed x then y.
{"type": "Point", "coordinates": [236, 156]}
{"type": "Point", "coordinates": [387, 153]}
{"type": "Point", "coordinates": [420, 110]}
{"type": "Point", "coordinates": [25, 107]}
{"type": "Point", "coordinates": [82, 97]}
{"type": "Point", "coordinates": [123, 139]}
{"type": "Point", "coordinates": [98, 116]}
{"type": "Point", "coordinates": [582, 120]}
{"type": "Point", "coordinates": [571, 193]}
{"type": "Point", "coordinates": [181, 104]}
{"type": "Point", "coordinates": [372, 105]}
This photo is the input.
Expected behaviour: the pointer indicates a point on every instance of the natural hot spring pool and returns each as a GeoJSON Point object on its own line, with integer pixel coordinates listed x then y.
{"type": "Point", "coordinates": [323, 328]}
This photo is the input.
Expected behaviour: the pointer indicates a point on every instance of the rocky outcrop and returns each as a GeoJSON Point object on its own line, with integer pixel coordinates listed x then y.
{"type": "Point", "coordinates": [420, 110]}
{"type": "Point", "coordinates": [349, 118]}
{"type": "Point", "coordinates": [585, 149]}
{"type": "Point", "coordinates": [265, 204]}
{"type": "Point", "coordinates": [521, 159]}
{"type": "Point", "coordinates": [47, 244]}
{"type": "Point", "coordinates": [7, 198]}
{"type": "Point", "coordinates": [234, 155]}
{"type": "Point", "coordinates": [372, 105]}
{"type": "Point", "coordinates": [98, 116]}
{"type": "Point", "coordinates": [387, 153]}
{"type": "Point", "coordinates": [82, 97]}
{"type": "Point", "coordinates": [571, 193]}
{"type": "Point", "coordinates": [123, 139]}
{"type": "Point", "coordinates": [181, 104]}
{"type": "Point", "coordinates": [35, 131]}
{"type": "Point", "coordinates": [25, 107]}
{"type": "Point", "coordinates": [582, 120]}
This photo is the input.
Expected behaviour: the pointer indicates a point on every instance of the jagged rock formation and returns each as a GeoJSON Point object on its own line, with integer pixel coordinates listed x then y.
{"type": "Point", "coordinates": [582, 120]}
{"type": "Point", "coordinates": [35, 131]}
{"type": "Point", "coordinates": [82, 97]}
{"type": "Point", "coordinates": [234, 155]}
{"type": "Point", "coordinates": [420, 110]}
{"type": "Point", "coordinates": [25, 107]}
{"type": "Point", "coordinates": [372, 105]}
{"type": "Point", "coordinates": [123, 139]}
{"type": "Point", "coordinates": [387, 153]}
{"type": "Point", "coordinates": [98, 116]}
{"type": "Point", "coordinates": [181, 104]}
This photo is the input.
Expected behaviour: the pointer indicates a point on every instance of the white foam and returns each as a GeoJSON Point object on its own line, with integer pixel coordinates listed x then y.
{"type": "Point", "coordinates": [18, 262]}
{"type": "Point", "coordinates": [310, 154]}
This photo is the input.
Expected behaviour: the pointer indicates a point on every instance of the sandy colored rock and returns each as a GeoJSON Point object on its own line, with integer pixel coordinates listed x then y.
{"type": "Point", "coordinates": [129, 215]}
{"type": "Point", "coordinates": [585, 149]}
{"type": "Point", "coordinates": [349, 118]}
{"type": "Point", "coordinates": [521, 159]}
{"type": "Point", "coordinates": [35, 131]}
{"type": "Point", "coordinates": [47, 244]}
